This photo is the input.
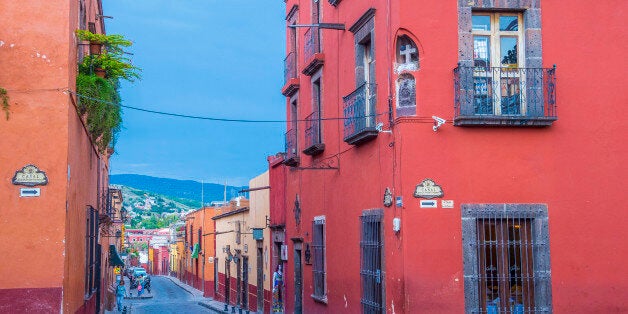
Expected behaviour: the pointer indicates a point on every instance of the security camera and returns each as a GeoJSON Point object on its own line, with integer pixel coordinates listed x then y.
{"type": "Point", "coordinates": [437, 122]}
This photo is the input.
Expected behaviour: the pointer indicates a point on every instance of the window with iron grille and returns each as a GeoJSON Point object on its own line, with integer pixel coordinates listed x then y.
{"type": "Point", "coordinates": [318, 248]}
{"type": "Point", "coordinates": [506, 258]}
{"type": "Point", "coordinates": [371, 263]}
{"type": "Point", "coordinates": [91, 239]}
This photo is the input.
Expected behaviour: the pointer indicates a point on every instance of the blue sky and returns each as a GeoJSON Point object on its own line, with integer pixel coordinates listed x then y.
{"type": "Point", "coordinates": [207, 58]}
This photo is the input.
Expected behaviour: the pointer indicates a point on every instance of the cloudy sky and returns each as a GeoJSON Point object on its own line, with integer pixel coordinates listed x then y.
{"type": "Point", "coordinates": [210, 58]}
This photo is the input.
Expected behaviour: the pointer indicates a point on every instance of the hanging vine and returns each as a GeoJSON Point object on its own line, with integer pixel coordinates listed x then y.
{"type": "Point", "coordinates": [99, 97]}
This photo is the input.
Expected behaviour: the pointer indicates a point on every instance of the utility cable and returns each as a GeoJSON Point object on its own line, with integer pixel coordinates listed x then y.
{"type": "Point", "coordinates": [212, 118]}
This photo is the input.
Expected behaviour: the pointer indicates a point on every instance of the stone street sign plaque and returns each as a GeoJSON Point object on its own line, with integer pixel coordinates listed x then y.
{"type": "Point", "coordinates": [428, 189]}
{"type": "Point", "coordinates": [30, 175]}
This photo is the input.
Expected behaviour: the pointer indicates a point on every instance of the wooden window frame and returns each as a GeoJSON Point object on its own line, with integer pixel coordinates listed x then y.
{"type": "Point", "coordinates": [488, 71]}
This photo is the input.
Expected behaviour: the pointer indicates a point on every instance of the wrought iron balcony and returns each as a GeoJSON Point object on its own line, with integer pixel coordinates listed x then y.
{"type": "Point", "coordinates": [313, 140]}
{"type": "Point", "coordinates": [312, 51]}
{"type": "Point", "coordinates": [291, 80]}
{"type": "Point", "coordinates": [359, 115]}
{"type": "Point", "coordinates": [504, 96]}
{"type": "Point", "coordinates": [292, 154]}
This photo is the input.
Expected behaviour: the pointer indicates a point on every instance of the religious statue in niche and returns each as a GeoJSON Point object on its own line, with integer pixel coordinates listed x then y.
{"type": "Point", "coordinates": [388, 199]}
{"type": "Point", "coordinates": [406, 91]}
{"type": "Point", "coordinates": [407, 55]}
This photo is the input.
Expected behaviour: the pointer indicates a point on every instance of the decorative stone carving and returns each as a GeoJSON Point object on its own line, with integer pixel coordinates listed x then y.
{"type": "Point", "coordinates": [30, 175]}
{"type": "Point", "coordinates": [428, 189]}
{"type": "Point", "coordinates": [388, 199]}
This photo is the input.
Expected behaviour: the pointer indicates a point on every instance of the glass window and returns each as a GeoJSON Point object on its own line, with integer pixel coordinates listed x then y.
{"type": "Point", "coordinates": [508, 23]}
{"type": "Point", "coordinates": [481, 22]}
{"type": "Point", "coordinates": [481, 51]}
{"type": "Point", "coordinates": [508, 47]}
{"type": "Point", "coordinates": [498, 75]}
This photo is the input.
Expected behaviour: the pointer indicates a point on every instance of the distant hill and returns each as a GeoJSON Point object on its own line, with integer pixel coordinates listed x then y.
{"type": "Point", "coordinates": [151, 210]}
{"type": "Point", "coordinates": [180, 190]}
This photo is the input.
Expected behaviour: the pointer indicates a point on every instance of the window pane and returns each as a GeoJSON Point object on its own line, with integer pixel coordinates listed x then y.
{"type": "Point", "coordinates": [508, 23]}
{"type": "Point", "coordinates": [481, 51]}
{"type": "Point", "coordinates": [508, 47]}
{"type": "Point", "coordinates": [481, 22]}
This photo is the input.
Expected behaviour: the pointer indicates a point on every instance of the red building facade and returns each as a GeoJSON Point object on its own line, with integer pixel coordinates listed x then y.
{"type": "Point", "coordinates": [446, 157]}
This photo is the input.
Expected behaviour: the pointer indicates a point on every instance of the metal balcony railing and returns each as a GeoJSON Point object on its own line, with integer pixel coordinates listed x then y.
{"type": "Point", "coordinates": [313, 130]}
{"type": "Point", "coordinates": [290, 67]}
{"type": "Point", "coordinates": [501, 95]}
{"type": "Point", "coordinates": [359, 111]}
{"type": "Point", "coordinates": [312, 43]}
{"type": "Point", "coordinates": [292, 152]}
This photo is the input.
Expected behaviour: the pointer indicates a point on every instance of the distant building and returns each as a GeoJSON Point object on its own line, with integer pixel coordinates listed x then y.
{"type": "Point", "coordinates": [242, 251]}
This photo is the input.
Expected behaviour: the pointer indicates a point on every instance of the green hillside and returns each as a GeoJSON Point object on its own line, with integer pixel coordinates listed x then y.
{"type": "Point", "coordinates": [151, 210]}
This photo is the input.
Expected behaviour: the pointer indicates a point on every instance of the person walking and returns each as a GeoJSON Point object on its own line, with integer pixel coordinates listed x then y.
{"type": "Point", "coordinates": [120, 292]}
{"type": "Point", "coordinates": [140, 286]}
{"type": "Point", "coordinates": [278, 287]}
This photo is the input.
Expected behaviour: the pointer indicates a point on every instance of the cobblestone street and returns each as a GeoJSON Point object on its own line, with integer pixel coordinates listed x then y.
{"type": "Point", "coordinates": [167, 297]}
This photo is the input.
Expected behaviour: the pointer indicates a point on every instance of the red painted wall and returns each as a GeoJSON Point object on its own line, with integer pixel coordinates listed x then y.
{"type": "Point", "coordinates": [575, 166]}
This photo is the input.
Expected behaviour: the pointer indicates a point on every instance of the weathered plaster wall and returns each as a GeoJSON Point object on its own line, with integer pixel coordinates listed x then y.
{"type": "Point", "coordinates": [34, 54]}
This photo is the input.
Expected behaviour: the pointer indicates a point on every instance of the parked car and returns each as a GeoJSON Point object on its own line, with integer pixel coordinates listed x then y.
{"type": "Point", "coordinates": [139, 271]}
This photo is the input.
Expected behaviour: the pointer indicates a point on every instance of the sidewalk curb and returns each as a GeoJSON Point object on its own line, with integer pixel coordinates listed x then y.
{"type": "Point", "coordinates": [139, 298]}
{"type": "Point", "coordinates": [211, 307]}
{"type": "Point", "coordinates": [182, 286]}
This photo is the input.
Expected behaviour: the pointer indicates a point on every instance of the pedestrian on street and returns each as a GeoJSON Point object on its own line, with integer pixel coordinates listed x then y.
{"type": "Point", "coordinates": [140, 287]}
{"type": "Point", "coordinates": [278, 287]}
{"type": "Point", "coordinates": [120, 292]}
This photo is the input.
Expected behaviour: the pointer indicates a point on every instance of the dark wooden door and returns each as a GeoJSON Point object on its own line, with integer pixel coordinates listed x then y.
{"type": "Point", "coordinates": [260, 280]}
{"type": "Point", "coordinates": [298, 283]}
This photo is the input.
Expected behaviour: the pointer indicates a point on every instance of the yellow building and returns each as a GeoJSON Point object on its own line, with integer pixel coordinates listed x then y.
{"type": "Point", "coordinates": [241, 258]}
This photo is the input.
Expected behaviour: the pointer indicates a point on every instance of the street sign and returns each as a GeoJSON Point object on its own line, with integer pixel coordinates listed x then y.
{"type": "Point", "coordinates": [447, 204]}
{"type": "Point", "coordinates": [429, 203]}
{"type": "Point", "coordinates": [30, 192]}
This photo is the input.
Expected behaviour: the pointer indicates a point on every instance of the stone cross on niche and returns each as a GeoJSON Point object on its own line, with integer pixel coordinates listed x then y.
{"type": "Point", "coordinates": [407, 52]}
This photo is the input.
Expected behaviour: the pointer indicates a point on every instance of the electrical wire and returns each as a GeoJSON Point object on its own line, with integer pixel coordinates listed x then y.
{"type": "Point", "coordinates": [213, 118]}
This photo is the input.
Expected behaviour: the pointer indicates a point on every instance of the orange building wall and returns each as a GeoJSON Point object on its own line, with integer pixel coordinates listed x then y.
{"type": "Point", "coordinates": [43, 236]}
{"type": "Point", "coordinates": [203, 278]}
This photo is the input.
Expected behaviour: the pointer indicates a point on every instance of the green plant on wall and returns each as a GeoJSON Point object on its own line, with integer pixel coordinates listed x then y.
{"type": "Point", "coordinates": [116, 66]}
{"type": "Point", "coordinates": [113, 43]}
{"type": "Point", "coordinates": [99, 99]}
{"type": "Point", "coordinates": [4, 100]}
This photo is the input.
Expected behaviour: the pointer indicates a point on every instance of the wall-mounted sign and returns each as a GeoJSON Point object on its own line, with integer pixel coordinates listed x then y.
{"type": "Point", "coordinates": [399, 201]}
{"type": "Point", "coordinates": [428, 189]}
{"type": "Point", "coordinates": [447, 204]}
{"type": "Point", "coordinates": [30, 192]}
{"type": "Point", "coordinates": [388, 199]}
{"type": "Point", "coordinates": [30, 175]}
{"type": "Point", "coordinates": [284, 252]}
{"type": "Point", "coordinates": [429, 203]}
